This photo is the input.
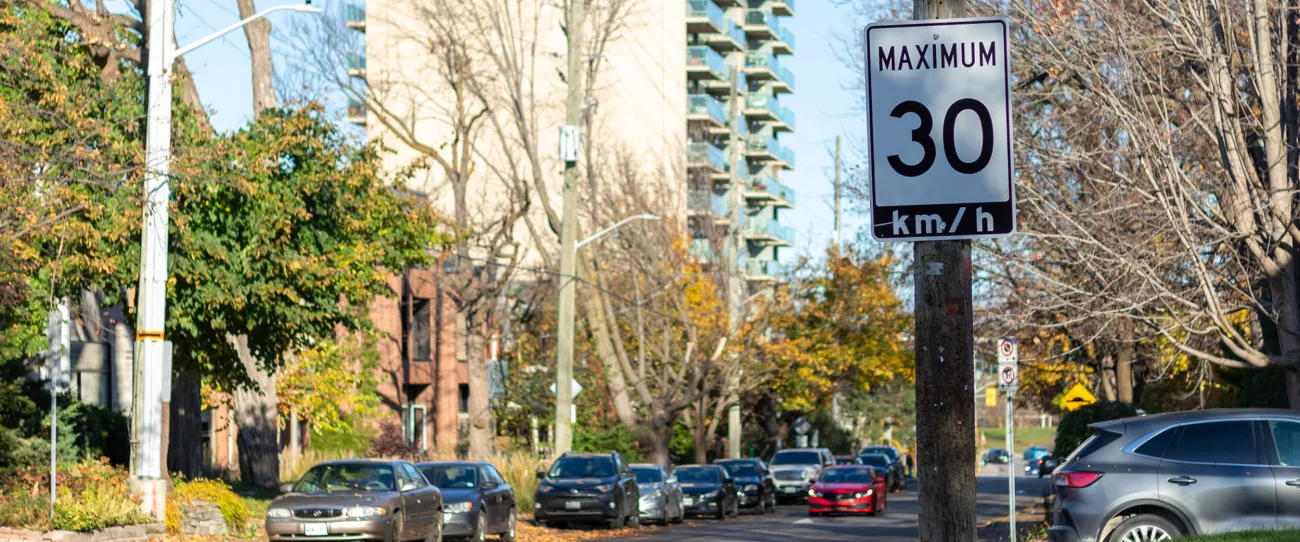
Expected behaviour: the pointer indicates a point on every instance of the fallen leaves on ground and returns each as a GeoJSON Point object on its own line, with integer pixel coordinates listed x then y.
{"type": "Point", "coordinates": [527, 532]}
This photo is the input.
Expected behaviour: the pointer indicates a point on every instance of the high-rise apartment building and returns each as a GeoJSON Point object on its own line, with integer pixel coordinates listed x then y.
{"type": "Point", "coordinates": [661, 99]}
{"type": "Point", "coordinates": [664, 93]}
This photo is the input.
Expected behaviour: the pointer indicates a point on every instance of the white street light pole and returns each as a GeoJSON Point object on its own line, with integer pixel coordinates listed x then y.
{"type": "Point", "coordinates": [151, 352]}
{"type": "Point", "coordinates": [564, 350]}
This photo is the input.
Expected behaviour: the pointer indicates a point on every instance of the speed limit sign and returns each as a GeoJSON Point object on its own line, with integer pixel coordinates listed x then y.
{"type": "Point", "coordinates": [939, 111]}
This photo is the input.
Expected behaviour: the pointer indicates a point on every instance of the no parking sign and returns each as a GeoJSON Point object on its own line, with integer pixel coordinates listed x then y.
{"type": "Point", "coordinates": [1008, 371]}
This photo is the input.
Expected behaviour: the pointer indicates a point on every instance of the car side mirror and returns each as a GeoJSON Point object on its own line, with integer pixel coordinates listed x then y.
{"type": "Point", "coordinates": [286, 488]}
{"type": "Point", "coordinates": [409, 486]}
{"type": "Point", "coordinates": [672, 479]}
{"type": "Point", "coordinates": [541, 475]}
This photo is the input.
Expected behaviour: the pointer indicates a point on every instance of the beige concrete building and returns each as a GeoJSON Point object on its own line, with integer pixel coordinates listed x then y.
{"type": "Point", "coordinates": [658, 108]}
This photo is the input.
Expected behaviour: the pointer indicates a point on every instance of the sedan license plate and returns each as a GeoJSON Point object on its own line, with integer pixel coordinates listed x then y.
{"type": "Point", "coordinates": [572, 505]}
{"type": "Point", "coordinates": [787, 490]}
{"type": "Point", "coordinates": [315, 529]}
{"type": "Point", "coordinates": [687, 501]}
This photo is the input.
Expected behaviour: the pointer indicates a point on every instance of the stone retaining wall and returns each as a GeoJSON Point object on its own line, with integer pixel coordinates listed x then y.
{"type": "Point", "coordinates": [131, 533]}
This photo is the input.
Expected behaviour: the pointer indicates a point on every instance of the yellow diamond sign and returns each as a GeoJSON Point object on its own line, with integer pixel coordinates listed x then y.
{"type": "Point", "coordinates": [1078, 396]}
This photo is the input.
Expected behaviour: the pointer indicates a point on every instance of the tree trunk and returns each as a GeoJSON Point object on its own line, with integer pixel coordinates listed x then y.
{"type": "Point", "coordinates": [480, 406]}
{"type": "Point", "coordinates": [185, 451]}
{"type": "Point", "coordinates": [1124, 365]}
{"type": "Point", "coordinates": [259, 49]}
{"type": "Point", "coordinates": [257, 417]}
{"type": "Point", "coordinates": [700, 434]}
{"type": "Point", "coordinates": [660, 439]}
{"type": "Point", "coordinates": [1108, 377]}
{"type": "Point", "coordinates": [618, 390]}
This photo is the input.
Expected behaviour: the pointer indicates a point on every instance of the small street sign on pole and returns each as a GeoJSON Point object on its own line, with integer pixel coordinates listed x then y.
{"type": "Point", "coordinates": [1009, 381]}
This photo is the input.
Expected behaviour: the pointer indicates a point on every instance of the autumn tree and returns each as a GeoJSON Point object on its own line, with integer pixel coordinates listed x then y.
{"type": "Point", "coordinates": [1159, 146]}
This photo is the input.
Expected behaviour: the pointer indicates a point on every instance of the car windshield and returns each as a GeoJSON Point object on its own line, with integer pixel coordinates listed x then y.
{"type": "Point", "coordinates": [348, 478]}
{"type": "Point", "coordinates": [847, 476]}
{"type": "Point", "coordinates": [452, 477]}
{"type": "Point", "coordinates": [845, 461]}
{"type": "Point", "coordinates": [875, 460]}
{"type": "Point", "coordinates": [884, 450]}
{"type": "Point", "coordinates": [647, 475]}
{"type": "Point", "coordinates": [698, 476]}
{"type": "Point", "coordinates": [740, 468]}
{"type": "Point", "coordinates": [797, 458]}
{"type": "Point", "coordinates": [582, 467]}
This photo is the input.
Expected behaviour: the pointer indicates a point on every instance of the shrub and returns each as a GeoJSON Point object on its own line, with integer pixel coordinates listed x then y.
{"type": "Point", "coordinates": [391, 442]}
{"type": "Point", "coordinates": [605, 438]}
{"type": "Point", "coordinates": [101, 505]}
{"type": "Point", "coordinates": [1073, 429]}
{"type": "Point", "coordinates": [233, 510]}
{"type": "Point", "coordinates": [23, 511]}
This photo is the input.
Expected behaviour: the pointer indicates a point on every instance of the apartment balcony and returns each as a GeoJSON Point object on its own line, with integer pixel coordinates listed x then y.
{"type": "Point", "coordinates": [727, 3]}
{"type": "Point", "coordinates": [766, 108]}
{"type": "Point", "coordinates": [706, 157]}
{"type": "Point", "coordinates": [761, 25]}
{"type": "Point", "coordinates": [705, 64]}
{"type": "Point", "coordinates": [356, 64]}
{"type": "Point", "coordinates": [784, 8]}
{"type": "Point", "coordinates": [763, 270]}
{"type": "Point", "coordinates": [764, 188]}
{"type": "Point", "coordinates": [355, 16]}
{"type": "Point", "coordinates": [784, 42]}
{"type": "Point", "coordinates": [764, 148]}
{"type": "Point", "coordinates": [767, 230]}
{"type": "Point", "coordinates": [707, 110]}
{"type": "Point", "coordinates": [722, 86]}
{"type": "Point", "coordinates": [763, 66]}
{"type": "Point", "coordinates": [701, 251]}
{"type": "Point", "coordinates": [703, 17]}
{"type": "Point", "coordinates": [707, 203]}
{"type": "Point", "coordinates": [357, 112]}
{"type": "Point", "coordinates": [732, 37]}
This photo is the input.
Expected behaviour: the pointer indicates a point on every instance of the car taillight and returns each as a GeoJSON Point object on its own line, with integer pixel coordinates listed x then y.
{"type": "Point", "coordinates": [1076, 480]}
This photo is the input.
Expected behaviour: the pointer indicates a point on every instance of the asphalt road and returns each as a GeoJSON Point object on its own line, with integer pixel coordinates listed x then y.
{"type": "Point", "coordinates": [792, 524]}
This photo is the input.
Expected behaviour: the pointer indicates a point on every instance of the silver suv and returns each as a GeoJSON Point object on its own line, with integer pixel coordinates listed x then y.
{"type": "Point", "coordinates": [1163, 476]}
{"type": "Point", "coordinates": [792, 470]}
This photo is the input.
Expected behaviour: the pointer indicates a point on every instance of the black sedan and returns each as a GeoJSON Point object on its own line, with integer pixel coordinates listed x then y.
{"type": "Point", "coordinates": [477, 501]}
{"type": "Point", "coordinates": [997, 456]}
{"type": "Point", "coordinates": [882, 464]}
{"type": "Point", "coordinates": [753, 482]}
{"type": "Point", "coordinates": [896, 467]}
{"type": "Point", "coordinates": [707, 490]}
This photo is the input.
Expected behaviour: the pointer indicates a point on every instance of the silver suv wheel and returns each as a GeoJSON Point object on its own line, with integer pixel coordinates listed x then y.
{"type": "Point", "coordinates": [1144, 528]}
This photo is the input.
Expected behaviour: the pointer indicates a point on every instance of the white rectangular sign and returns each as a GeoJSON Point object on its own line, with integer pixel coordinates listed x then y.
{"type": "Point", "coordinates": [939, 115]}
{"type": "Point", "coordinates": [1008, 364]}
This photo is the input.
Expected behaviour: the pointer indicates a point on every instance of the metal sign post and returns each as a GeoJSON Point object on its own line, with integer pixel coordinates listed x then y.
{"type": "Point", "coordinates": [1009, 381]}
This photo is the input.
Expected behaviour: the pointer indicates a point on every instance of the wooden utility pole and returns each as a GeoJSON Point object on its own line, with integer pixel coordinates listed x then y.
{"type": "Point", "coordinates": [944, 346]}
{"type": "Point", "coordinates": [568, 234]}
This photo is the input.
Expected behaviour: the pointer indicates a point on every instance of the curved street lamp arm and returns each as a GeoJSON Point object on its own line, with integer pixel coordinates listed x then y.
{"type": "Point", "coordinates": [301, 8]}
{"type": "Point", "coordinates": [616, 226]}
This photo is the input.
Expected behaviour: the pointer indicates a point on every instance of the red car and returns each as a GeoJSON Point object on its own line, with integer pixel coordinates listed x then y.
{"type": "Point", "coordinates": [849, 489]}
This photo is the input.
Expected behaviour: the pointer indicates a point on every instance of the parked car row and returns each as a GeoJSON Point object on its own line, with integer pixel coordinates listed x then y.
{"type": "Point", "coordinates": [394, 501]}
{"type": "Point", "coordinates": [397, 501]}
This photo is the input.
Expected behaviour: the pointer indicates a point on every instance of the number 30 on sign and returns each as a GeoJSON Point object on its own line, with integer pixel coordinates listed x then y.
{"type": "Point", "coordinates": [939, 110]}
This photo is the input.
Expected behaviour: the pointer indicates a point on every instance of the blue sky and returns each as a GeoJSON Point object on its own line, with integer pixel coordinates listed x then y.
{"type": "Point", "coordinates": [823, 106]}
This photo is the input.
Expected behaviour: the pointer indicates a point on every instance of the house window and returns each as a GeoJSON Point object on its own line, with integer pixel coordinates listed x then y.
{"type": "Point", "coordinates": [420, 330]}
{"type": "Point", "coordinates": [464, 398]}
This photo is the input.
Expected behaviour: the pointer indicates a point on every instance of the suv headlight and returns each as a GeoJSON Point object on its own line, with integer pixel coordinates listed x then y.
{"type": "Point", "coordinates": [277, 513]}
{"type": "Point", "coordinates": [813, 493]}
{"type": "Point", "coordinates": [652, 494]}
{"type": "Point", "coordinates": [364, 511]}
{"type": "Point", "coordinates": [809, 473]}
{"type": "Point", "coordinates": [458, 507]}
{"type": "Point", "coordinates": [605, 488]}
{"type": "Point", "coordinates": [709, 495]}
{"type": "Point", "coordinates": [750, 487]}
